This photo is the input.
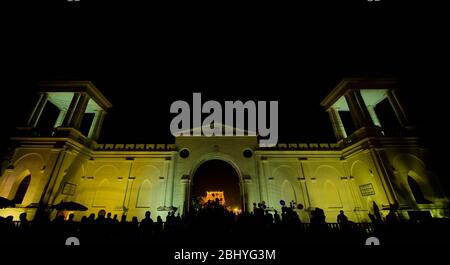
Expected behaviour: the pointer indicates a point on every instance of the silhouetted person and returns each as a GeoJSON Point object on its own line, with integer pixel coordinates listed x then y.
{"type": "Point", "coordinates": [376, 212]}
{"type": "Point", "coordinates": [24, 223]}
{"type": "Point", "coordinates": [70, 218]}
{"type": "Point", "coordinates": [391, 217]}
{"type": "Point", "coordinates": [158, 226]}
{"type": "Point", "coordinates": [277, 218]}
{"type": "Point", "coordinates": [123, 219]}
{"type": "Point", "coordinates": [101, 216]}
{"type": "Point", "coordinates": [146, 226]}
{"type": "Point", "coordinates": [341, 218]}
{"type": "Point", "coordinates": [123, 228]}
{"type": "Point", "coordinates": [24, 227]}
{"type": "Point", "coordinates": [134, 227]}
{"type": "Point", "coordinates": [91, 218]}
{"type": "Point", "coordinates": [268, 218]}
{"type": "Point", "coordinates": [101, 230]}
{"type": "Point", "coordinates": [178, 219]}
{"type": "Point", "coordinates": [7, 229]}
{"type": "Point", "coordinates": [108, 218]}
{"type": "Point", "coordinates": [70, 226]}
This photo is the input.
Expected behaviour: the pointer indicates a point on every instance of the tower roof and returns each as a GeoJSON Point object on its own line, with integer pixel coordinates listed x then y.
{"type": "Point", "coordinates": [357, 83]}
{"type": "Point", "coordinates": [76, 86]}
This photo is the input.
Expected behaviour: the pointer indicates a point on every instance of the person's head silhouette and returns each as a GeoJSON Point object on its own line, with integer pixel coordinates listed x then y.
{"type": "Point", "coordinates": [23, 217]}
{"type": "Point", "coordinates": [101, 213]}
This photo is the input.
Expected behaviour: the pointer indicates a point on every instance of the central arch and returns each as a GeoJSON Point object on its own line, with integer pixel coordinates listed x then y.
{"type": "Point", "coordinates": [217, 175]}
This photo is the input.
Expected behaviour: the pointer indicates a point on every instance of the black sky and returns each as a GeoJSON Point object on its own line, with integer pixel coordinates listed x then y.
{"type": "Point", "coordinates": [145, 57]}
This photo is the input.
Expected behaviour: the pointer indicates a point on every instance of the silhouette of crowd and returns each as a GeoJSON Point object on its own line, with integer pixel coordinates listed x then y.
{"type": "Point", "coordinates": [214, 223]}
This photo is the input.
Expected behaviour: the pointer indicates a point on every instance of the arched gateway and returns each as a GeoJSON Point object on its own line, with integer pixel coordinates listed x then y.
{"type": "Point", "coordinates": [216, 179]}
{"type": "Point", "coordinates": [216, 163]}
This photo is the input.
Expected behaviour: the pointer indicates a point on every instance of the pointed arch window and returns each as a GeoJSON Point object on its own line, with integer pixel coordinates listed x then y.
{"type": "Point", "coordinates": [22, 190]}
{"type": "Point", "coordinates": [417, 191]}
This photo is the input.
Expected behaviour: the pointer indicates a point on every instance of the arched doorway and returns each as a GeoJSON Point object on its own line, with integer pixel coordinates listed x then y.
{"type": "Point", "coordinates": [417, 191]}
{"type": "Point", "coordinates": [22, 190]}
{"type": "Point", "coordinates": [216, 176]}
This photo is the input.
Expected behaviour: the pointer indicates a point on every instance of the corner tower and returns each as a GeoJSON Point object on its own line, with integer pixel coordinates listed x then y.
{"type": "Point", "coordinates": [52, 151]}
{"type": "Point", "coordinates": [382, 153]}
{"type": "Point", "coordinates": [68, 108]}
{"type": "Point", "coordinates": [362, 101]}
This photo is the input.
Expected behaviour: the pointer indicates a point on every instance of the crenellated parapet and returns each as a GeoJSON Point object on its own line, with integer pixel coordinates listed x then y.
{"type": "Point", "coordinates": [303, 146]}
{"type": "Point", "coordinates": [135, 147]}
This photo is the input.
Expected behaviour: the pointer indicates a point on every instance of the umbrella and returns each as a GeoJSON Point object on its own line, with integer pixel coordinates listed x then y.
{"type": "Point", "coordinates": [167, 208]}
{"type": "Point", "coordinates": [4, 203]}
{"type": "Point", "coordinates": [69, 206]}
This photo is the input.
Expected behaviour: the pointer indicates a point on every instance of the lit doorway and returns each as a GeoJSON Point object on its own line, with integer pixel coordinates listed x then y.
{"type": "Point", "coordinates": [216, 176]}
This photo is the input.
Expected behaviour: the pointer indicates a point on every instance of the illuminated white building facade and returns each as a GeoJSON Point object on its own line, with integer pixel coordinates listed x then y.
{"type": "Point", "coordinates": [369, 165]}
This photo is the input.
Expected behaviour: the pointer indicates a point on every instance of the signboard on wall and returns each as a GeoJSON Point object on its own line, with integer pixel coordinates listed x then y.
{"type": "Point", "coordinates": [367, 189]}
{"type": "Point", "coordinates": [69, 188]}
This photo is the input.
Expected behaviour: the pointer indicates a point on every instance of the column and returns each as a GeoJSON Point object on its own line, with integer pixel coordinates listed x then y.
{"type": "Point", "coordinates": [398, 108]}
{"type": "Point", "coordinates": [373, 115]}
{"type": "Point", "coordinates": [169, 182]}
{"type": "Point", "coordinates": [185, 188]}
{"type": "Point", "coordinates": [354, 110]}
{"type": "Point", "coordinates": [367, 120]}
{"type": "Point", "coordinates": [79, 111]}
{"type": "Point", "coordinates": [336, 122]}
{"type": "Point", "coordinates": [304, 188]}
{"type": "Point", "coordinates": [60, 119]}
{"type": "Point", "coordinates": [130, 182]}
{"type": "Point", "coordinates": [358, 109]}
{"type": "Point", "coordinates": [38, 109]}
{"type": "Point", "coordinates": [384, 174]}
{"type": "Point", "coordinates": [128, 189]}
{"type": "Point", "coordinates": [248, 198]}
{"type": "Point", "coordinates": [70, 111]}
{"type": "Point", "coordinates": [96, 125]}
{"type": "Point", "coordinates": [264, 194]}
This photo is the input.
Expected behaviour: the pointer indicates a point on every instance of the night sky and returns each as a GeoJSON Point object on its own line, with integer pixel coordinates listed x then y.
{"type": "Point", "coordinates": [145, 57]}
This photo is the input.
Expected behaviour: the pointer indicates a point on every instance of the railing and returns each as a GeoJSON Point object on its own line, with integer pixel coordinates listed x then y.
{"type": "Point", "coordinates": [365, 228]}
{"type": "Point", "coordinates": [135, 147]}
{"type": "Point", "coordinates": [303, 146]}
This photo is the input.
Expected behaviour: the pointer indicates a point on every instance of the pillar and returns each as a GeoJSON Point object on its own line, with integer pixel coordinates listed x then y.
{"type": "Point", "coordinates": [247, 193]}
{"type": "Point", "coordinates": [169, 182]}
{"type": "Point", "coordinates": [79, 111]}
{"type": "Point", "coordinates": [96, 125]}
{"type": "Point", "coordinates": [358, 109]}
{"type": "Point", "coordinates": [366, 118]}
{"type": "Point", "coordinates": [186, 196]}
{"type": "Point", "coordinates": [70, 111]}
{"type": "Point", "coordinates": [336, 122]}
{"type": "Point", "coordinates": [398, 108]}
{"type": "Point", "coordinates": [128, 193]}
{"type": "Point", "coordinates": [264, 194]}
{"type": "Point", "coordinates": [373, 115]}
{"type": "Point", "coordinates": [60, 119]}
{"type": "Point", "coordinates": [304, 188]}
{"type": "Point", "coordinates": [38, 109]}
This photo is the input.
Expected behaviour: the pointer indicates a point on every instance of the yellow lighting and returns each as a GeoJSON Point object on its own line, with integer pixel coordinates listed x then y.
{"type": "Point", "coordinates": [213, 195]}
